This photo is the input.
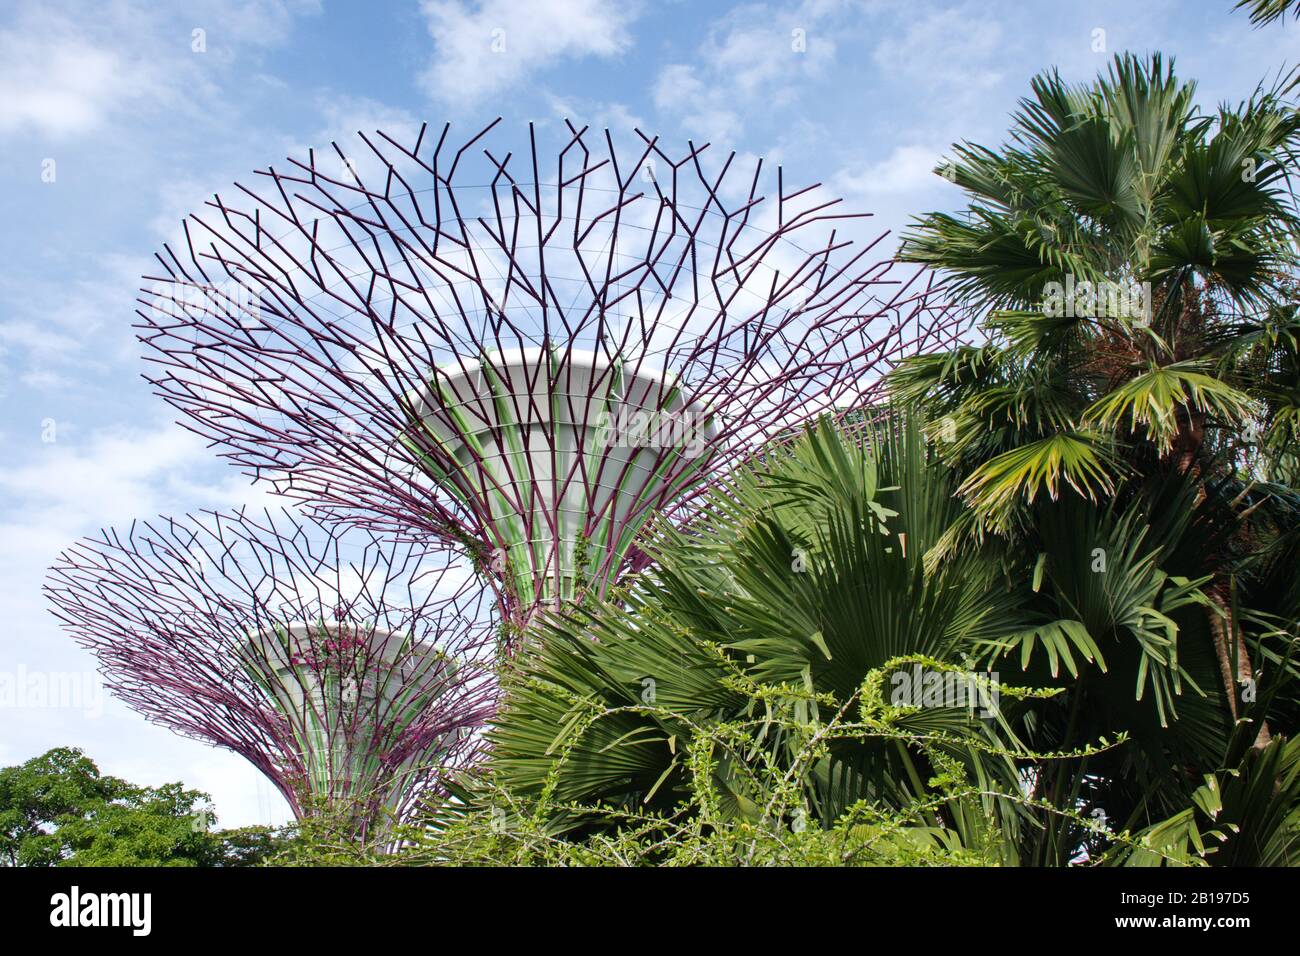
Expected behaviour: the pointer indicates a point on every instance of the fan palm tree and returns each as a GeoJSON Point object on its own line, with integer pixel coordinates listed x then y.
{"type": "Point", "coordinates": [1246, 813]}
{"type": "Point", "coordinates": [771, 633]}
{"type": "Point", "coordinates": [1268, 11]}
{"type": "Point", "coordinates": [777, 630]}
{"type": "Point", "coordinates": [1134, 256]}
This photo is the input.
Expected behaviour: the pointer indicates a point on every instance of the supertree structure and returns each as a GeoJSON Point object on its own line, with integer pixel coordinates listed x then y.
{"type": "Point", "coordinates": [351, 670]}
{"type": "Point", "coordinates": [525, 360]}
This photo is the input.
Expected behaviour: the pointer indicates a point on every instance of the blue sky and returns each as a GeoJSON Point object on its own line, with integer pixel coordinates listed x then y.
{"type": "Point", "coordinates": [117, 118]}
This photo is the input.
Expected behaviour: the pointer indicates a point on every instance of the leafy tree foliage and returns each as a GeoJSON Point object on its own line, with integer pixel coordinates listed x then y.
{"type": "Point", "coordinates": [59, 810]}
{"type": "Point", "coordinates": [744, 681]}
{"type": "Point", "coordinates": [748, 678]}
{"type": "Point", "coordinates": [1123, 185]}
{"type": "Point", "coordinates": [1136, 458]}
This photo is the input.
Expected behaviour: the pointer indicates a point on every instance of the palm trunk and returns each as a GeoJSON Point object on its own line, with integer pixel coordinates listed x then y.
{"type": "Point", "coordinates": [1220, 630]}
{"type": "Point", "coordinates": [1228, 641]}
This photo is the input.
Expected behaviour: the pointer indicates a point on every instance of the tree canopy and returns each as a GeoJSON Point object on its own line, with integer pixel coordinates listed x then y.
{"type": "Point", "coordinates": [59, 810]}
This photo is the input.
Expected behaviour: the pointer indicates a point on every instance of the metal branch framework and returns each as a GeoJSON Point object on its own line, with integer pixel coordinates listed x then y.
{"type": "Point", "coordinates": [527, 360]}
{"type": "Point", "coordinates": [352, 671]}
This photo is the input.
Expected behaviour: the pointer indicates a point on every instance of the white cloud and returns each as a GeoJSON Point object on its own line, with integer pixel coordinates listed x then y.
{"type": "Point", "coordinates": [908, 169]}
{"type": "Point", "coordinates": [896, 188]}
{"type": "Point", "coordinates": [36, 338]}
{"type": "Point", "coordinates": [60, 83]}
{"type": "Point", "coordinates": [347, 115]}
{"type": "Point", "coordinates": [596, 113]}
{"type": "Point", "coordinates": [81, 322]}
{"type": "Point", "coordinates": [256, 22]}
{"type": "Point", "coordinates": [754, 59]}
{"type": "Point", "coordinates": [44, 380]}
{"type": "Point", "coordinates": [679, 91]}
{"type": "Point", "coordinates": [66, 486]}
{"type": "Point", "coordinates": [956, 53]}
{"type": "Point", "coordinates": [68, 74]}
{"type": "Point", "coordinates": [492, 45]}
